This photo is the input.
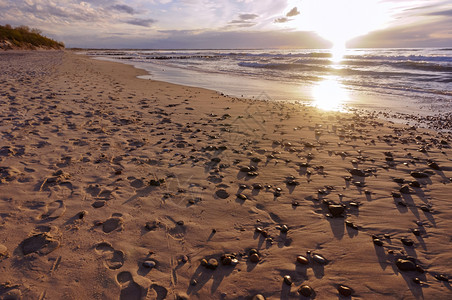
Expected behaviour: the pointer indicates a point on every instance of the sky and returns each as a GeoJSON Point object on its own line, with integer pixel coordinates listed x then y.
{"type": "Point", "coordinates": [206, 24]}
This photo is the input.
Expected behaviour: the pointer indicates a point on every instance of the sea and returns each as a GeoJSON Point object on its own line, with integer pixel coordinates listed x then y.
{"type": "Point", "coordinates": [415, 81]}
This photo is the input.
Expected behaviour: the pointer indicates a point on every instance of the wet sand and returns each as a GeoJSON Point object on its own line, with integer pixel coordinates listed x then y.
{"type": "Point", "coordinates": [113, 187]}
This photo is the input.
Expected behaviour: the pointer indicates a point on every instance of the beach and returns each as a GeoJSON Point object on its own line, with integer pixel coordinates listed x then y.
{"type": "Point", "coordinates": [401, 84]}
{"type": "Point", "coordinates": [116, 187]}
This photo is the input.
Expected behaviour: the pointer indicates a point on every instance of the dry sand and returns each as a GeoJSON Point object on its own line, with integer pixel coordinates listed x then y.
{"type": "Point", "coordinates": [116, 187]}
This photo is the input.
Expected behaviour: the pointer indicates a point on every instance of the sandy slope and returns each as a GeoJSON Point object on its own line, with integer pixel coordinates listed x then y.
{"type": "Point", "coordinates": [101, 172]}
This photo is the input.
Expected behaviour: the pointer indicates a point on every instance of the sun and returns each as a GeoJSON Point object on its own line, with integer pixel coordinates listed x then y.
{"type": "Point", "coordinates": [338, 21]}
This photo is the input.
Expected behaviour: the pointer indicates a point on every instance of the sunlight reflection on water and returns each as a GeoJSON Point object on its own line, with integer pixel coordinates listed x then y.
{"type": "Point", "coordinates": [330, 94]}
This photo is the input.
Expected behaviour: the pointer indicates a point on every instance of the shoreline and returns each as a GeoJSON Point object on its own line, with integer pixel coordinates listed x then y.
{"type": "Point", "coordinates": [346, 98]}
{"type": "Point", "coordinates": [115, 186]}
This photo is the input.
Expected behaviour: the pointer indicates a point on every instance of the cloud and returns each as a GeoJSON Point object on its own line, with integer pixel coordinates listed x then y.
{"type": "Point", "coordinates": [434, 34]}
{"type": "Point", "coordinates": [123, 8]}
{"type": "Point", "coordinates": [244, 20]}
{"type": "Point", "coordinates": [98, 23]}
{"type": "Point", "coordinates": [282, 20]}
{"type": "Point", "coordinates": [446, 13]}
{"type": "Point", "coordinates": [48, 11]}
{"type": "Point", "coordinates": [141, 22]}
{"type": "Point", "coordinates": [246, 17]}
{"type": "Point", "coordinates": [186, 39]}
{"type": "Point", "coordinates": [293, 12]}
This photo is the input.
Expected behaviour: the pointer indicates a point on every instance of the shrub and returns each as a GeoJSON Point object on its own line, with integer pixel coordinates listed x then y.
{"type": "Point", "coordinates": [24, 37]}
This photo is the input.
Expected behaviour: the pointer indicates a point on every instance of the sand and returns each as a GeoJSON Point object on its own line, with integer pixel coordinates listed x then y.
{"type": "Point", "coordinates": [113, 187]}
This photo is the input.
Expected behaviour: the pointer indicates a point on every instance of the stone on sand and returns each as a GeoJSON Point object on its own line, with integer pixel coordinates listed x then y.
{"type": "Point", "coordinates": [222, 193]}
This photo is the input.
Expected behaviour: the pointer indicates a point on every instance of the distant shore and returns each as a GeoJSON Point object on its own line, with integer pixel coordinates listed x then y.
{"type": "Point", "coordinates": [117, 187]}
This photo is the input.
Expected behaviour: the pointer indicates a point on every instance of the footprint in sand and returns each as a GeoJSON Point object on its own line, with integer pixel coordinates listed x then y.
{"type": "Point", "coordinates": [177, 232]}
{"type": "Point", "coordinates": [130, 290]}
{"type": "Point", "coordinates": [113, 223]}
{"type": "Point", "coordinates": [43, 240]}
{"type": "Point", "coordinates": [98, 193]}
{"type": "Point", "coordinates": [161, 292]}
{"type": "Point", "coordinates": [53, 210]}
{"type": "Point", "coordinates": [10, 292]}
{"type": "Point", "coordinates": [136, 183]}
{"type": "Point", "coordinates": [113, 259]}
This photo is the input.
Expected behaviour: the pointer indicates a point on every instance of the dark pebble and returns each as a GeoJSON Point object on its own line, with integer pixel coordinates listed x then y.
{"type": "Point", "coordinates": [420, 269]}
{"type": "Point", "coordinates": [399, 180]}
{"type": "Point", "coordinates": [287, 280]}
{"type": "Point", "coordinates": [378, 242]}
{"type": "Point", "coordinates": [407, 242]}
{"type": "Point", "coordinates": [351, 225]}
{"type": "Point", "coordinates": [396, 195]}
{"type": "Point", "coordinates": [345, 290]}
{"type": "Point", "coordinates": [245, 169]}
{"type": "Point", "coordinates": [305, 290]}
{"type": "Point", "coordinates": [227, 260]}
{"type": "Point", "coordinates": [441, 277]}
{"type": "Point", "coordinates": [284, 229]}
{"type": "Point", "coordinates": [242, 196]}
{"type": "Point", "coordinates": [99, 204]}
{"type": "Point", "coordinates": [153, 182]}
{"type": "Point", "coordinates": [319, 259]}
{"type": "Point", "coordinates": [336, 210]}
{"type": "Point", "coordinates": [257, 186]}
{"type": "Point", "coordinates": [419, 175]}
{"type": "Point", "coordinates": [292, 183]}
{"type": "Point", "coordinates": [434, 166]}
{"type": "Point", "coordinates": [215, 160]}
{"type": "Point", "coordinates": [302, 260]}
{"type": "Point", "coordinates": [212, 264]}
{"type": "Point", "coordinates": [415, 184]}
{"type": "Point", "coordinates": [416, 232]}
{"type": "Point", "coordinates": [405, 265]}
{"type": "Point", "coordinates": [357, 172]}
{"type": "Point", "coordinates": [425, 208]}
{"type": "Point", "coordinates": [254, 258]}
{"type": "Point", "coordinates": [253, 251]}
{"type": "Point", "coordinates": [405, 189]}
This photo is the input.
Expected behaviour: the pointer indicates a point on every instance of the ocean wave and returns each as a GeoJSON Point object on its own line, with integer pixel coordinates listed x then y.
{"type": "Point", "coordinates": [330, 69]}
{"type": "Point", "coordinates": [416, 71]}
{"type": "Point", "coordinates": [282, 66]}
{"type": "Point", "coordinates": [422, 65]}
